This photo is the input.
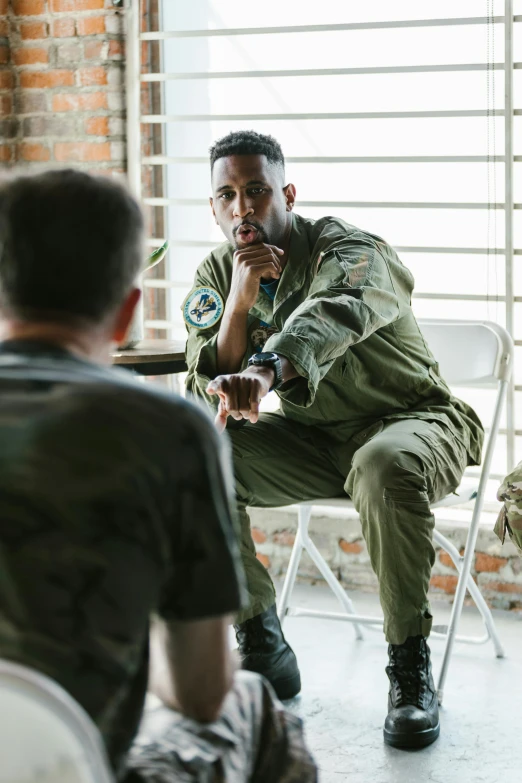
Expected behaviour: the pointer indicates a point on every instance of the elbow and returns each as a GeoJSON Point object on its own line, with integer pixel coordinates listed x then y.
{"type": "Point", "coordinates": [204, 710]}
{"type": "Point", "coordinates": [204, 704]}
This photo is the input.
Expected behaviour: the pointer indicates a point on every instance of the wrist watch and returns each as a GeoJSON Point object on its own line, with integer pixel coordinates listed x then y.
{"type": "Point", "coordinates": [271, 360]}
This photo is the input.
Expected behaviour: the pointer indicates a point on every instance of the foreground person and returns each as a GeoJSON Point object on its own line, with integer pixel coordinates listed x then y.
{"type": "Point", "coordinates": [115, 505]}
{"type": "Point", "coordinates": [320, 311]}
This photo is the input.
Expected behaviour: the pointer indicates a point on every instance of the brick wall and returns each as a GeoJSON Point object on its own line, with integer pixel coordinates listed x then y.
{"type": "Point", "coordinates": [497, 569]}
{"type": "Point", "coordinates": [62, 98]}
{"type": "Point", "coordinates": [61, 84]}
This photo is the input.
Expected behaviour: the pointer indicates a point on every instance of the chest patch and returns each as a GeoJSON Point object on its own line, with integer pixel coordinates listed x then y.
{"type": "Point", "coordinates": [202, 308]}
{"type": "Point", "coordinates": [260, 335]}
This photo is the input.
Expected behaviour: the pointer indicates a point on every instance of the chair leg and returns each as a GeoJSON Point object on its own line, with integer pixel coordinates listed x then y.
{"type": "Point", "coordinates": [469, 552]}
{"type": "Point", "coordinates": [474, 591]}
{"type": "Point", "coordinates": [485, 611]}
{"type": "Point", "coordinates": [323, 567]}
{"type": "Point", "coordinates": [291, 574]}
{"type": "Point", "coordinates": [295, 559]}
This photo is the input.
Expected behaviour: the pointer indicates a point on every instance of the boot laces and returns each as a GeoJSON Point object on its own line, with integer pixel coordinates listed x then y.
{"type": "Point", "coordinates": [409, 671]}
{"type": "Point", "coordinates": [249, 636]}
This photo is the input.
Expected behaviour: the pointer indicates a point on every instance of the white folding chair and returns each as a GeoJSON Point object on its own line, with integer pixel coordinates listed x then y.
{"type": "Point", "coordinates": [45, 735]}
{"type": "Point", "coordinates": [470, 354]}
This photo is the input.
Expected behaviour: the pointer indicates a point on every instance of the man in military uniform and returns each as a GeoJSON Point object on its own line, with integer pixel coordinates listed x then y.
{"type": "Point", "coordinates": [320, 311]}
{"type": "Point", "coordinates": [117, 504]}
{"type": "Point", "coordinates": [510, 516]}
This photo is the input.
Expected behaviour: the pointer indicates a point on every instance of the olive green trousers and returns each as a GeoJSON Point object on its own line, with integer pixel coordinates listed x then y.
{"type": "Point", "coordinates": [391, 472]}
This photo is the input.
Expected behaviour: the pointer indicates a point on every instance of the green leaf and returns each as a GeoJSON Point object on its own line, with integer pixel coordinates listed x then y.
{"type": "Point", "coordinates": [156, 256]}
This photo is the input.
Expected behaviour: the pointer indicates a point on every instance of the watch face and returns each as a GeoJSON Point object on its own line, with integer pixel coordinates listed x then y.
{"type": "Point", "coordinates": [266, 356]}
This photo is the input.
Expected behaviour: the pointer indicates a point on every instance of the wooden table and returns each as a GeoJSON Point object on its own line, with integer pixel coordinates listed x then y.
{"type": "Point", "coordinates": [153, 357]}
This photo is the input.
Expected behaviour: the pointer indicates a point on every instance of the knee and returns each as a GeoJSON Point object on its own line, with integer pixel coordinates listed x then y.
{"type": "Point", "coordinates": [385, 466]}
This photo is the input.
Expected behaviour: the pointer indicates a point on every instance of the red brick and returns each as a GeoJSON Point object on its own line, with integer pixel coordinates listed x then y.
{"type": "Point", "coordinates": [82, 151]}
{"type": "Point", "coordinates": [502, 587]}
{"type": "Point", "coordinates": [6, 105]}
{"type": "Point", "coordinates": [6, 80]}
{"type": "Point", "coordinates": [43, 79]}
{"type": "Point", "coordinates": [447, 583]}
{"type": "Point", "coordinates": [91, 101]}
{"type": "Point", "coordinates": [258, 536]}
{"type": "Point", "coordinates": [63, 28]}
{"type": "Point", "coordinates": [3, 7]}
{"type": "Point", "coordinates": [4, 28]}
{"type": "Point", "coordinates": [33, 152]}
{"type": "Point", "coordinates": [446, 560]}
{"type": "Point", "coordinates": [28, 7]}
{"type": "Point", "coordinates": [93, 77]}
{"type": "Point", "coordinates": [33, 30]}
{"type": "Point", "coordinates": [97, 126]}
{"type": "Point", "coordinates": [115, 49]}
{"type": "Point", "coordinates": [30, 56]}
{"type": "Point", "coordinates": [488, 563]}
{"type": "Point", "coordinates": [4, 55]}
{"type": "Point", "coordinates": [61, 6]}
{"type": "Point", "coordinates": [5, 153]}
{"type": "Point", "coordinates": [284, 538]}
{"type": "Point", "coordinates": [93, 50]}
{"type": "Point", "coordinates": [263, 559]}
{"type": "Point", "coordinates": [91, 25]}
{"type": "Point", "coordinates": [350, 547]}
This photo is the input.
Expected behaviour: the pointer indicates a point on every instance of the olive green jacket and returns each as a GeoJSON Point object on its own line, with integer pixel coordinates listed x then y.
{"type": "Point", "coordinates": [343, 317]}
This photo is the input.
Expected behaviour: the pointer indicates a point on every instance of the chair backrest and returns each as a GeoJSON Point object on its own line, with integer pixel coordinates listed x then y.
{"type": "Point", "coordinates": [45, 735]}
{"type": "Point", "coordinates": [470, 353]}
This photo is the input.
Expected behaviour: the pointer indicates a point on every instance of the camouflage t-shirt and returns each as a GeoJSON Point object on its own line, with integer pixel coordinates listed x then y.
{"type": "Point", "coordinates": [115, 504]}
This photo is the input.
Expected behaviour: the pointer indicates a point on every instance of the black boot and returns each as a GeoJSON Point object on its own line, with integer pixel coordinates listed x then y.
{"type": "Point", "coordinates": [413, 710]}
{"type": "Point", "coordinates": [264, 650]}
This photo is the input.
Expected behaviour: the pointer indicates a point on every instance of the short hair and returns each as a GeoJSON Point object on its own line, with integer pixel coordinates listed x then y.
{"type": "Point", "coordinates": [247, 142]}
{"type": "Point", "coordinates": [71, 246]}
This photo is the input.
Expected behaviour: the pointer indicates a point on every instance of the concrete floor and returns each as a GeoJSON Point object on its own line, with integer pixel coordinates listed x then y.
{"type": "Point", "coordinates": [344, 699]}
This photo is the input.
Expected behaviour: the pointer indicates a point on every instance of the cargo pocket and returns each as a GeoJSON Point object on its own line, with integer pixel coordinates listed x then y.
{"type": "Point", "coordinates": [405, 497]}
{"type": "Point", "coordinates": [449, 458]}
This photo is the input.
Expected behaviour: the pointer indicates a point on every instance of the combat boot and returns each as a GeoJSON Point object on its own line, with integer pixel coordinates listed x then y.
{"type": "Point", "coordinates": [413, 710]}
{"type": "Point", "coordinates": [264, 650]}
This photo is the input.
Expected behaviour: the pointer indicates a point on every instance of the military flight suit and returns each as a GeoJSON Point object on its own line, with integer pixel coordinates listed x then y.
{"type": "Point", "coordinates": [510, 517]}
{"type": "Point", "coordinates": [369, 414]}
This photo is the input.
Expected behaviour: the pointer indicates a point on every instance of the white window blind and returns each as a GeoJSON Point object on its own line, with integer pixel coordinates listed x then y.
{"type": "Point", "coordinates": [403, 118]}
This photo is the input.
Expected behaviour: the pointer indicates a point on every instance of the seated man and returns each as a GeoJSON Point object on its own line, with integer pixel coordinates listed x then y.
{"type": "Point", "coordinates": [321, 311]}
{"type": "Point", "coordinates": [115, 505]}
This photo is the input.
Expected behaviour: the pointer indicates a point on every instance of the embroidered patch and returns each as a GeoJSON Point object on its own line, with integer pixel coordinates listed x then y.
{"type": "Point", "coordinates": [260, 335]}
{"type": "Point", "coordinates": [202, 308]}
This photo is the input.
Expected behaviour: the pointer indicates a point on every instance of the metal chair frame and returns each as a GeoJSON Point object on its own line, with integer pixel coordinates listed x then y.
{"type": "Point", "coordinates": [493, 371]}
{"type": "Point", "coordinates": [63, 709]}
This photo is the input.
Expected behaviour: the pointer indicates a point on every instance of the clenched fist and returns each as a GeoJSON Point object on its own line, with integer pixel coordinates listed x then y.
{"type": "Point", "coordinates": [250, 265]}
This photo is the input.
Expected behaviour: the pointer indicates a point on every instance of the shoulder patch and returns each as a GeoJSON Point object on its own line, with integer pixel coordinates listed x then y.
{"type": "Point", "coordinates": [202, 308]}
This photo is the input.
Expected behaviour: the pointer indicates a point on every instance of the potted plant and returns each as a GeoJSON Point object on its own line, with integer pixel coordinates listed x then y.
{"type": "Point", "coordinates": [135, 333]}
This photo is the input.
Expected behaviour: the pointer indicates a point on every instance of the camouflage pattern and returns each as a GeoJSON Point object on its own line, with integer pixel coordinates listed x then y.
{"type": "Point", "coordinates": [254, 739]}
{"type": "Point", "coordinates": [510, 516]}
{"type": "Point", "coordinates": [116, 503]}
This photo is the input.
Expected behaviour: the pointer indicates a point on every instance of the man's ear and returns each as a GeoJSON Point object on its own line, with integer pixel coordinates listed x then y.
{"type": "Point", "coordinates": [290, 194]}
{"type": "Point", "coordinates": [211, 201]}
{"type": "Point", "coordinates": [124, 316]}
